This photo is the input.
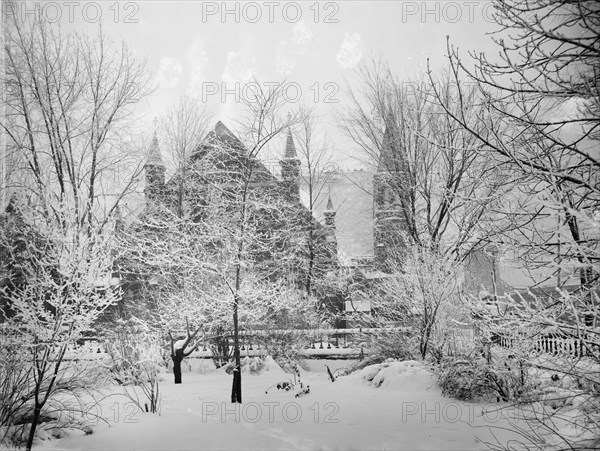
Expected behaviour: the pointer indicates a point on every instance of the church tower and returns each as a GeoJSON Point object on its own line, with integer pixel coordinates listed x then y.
{"type": "Point", "coordinates": [290, 169]}
{"type": "Point", "coordinates": [330, 235]}
{"type": "Point", "coordinates": [155, 173]}
{"type": "Point", "coordinates": [329, 214]}
{"type": "Point", "coordinates": [390, 196]}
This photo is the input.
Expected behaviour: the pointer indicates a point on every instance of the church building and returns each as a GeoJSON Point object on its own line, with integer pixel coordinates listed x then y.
{"type": "Point", "coordinates": [211, 184]}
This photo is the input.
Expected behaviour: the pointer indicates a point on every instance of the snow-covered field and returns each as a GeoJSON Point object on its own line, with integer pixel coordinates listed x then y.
{"type": "Point", "coordinates": [396, 405]}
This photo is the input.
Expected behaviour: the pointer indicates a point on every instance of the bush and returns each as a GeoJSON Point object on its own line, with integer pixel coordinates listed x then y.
{"type": "Point", "coordinates": [475, 379]}
{"type": "Point", "coordinates": [393, 344]}
{"type": "Point", "coordinates": [15, 393]}
{"type": "Point", "coordinates": [65, 408]}
{"type": "Point", "coordinates": [136, 360]}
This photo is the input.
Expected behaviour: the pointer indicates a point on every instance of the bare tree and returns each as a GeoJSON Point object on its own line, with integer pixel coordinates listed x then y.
{"type": "Point", "coordinates": [317, 172]}
{"type": "Point", "coordinates": [194, 265]}
{"type": "Point", "coordinates": [68, 99]}
{"type": "Point", "coordinates": [62, 287]}
{"type": "Point", "coordinates": [178, 349]}
{"type": "Point", "coordinates": [419, 300]}
{"type": "Point", "coordinates": [262, 126]}
{"type": "Point", "coordinates": [546, 128]}
{"type": "Point", "coordinates": [183, 128]}
{"type": "Point", "coordinates": [445, 191]}
{"type": "Point", "coordinates": [235, 238]}
{"type": "Point", "coordinates": [68, 104]}
{"type": "Point", "coordinates": [542, 93]}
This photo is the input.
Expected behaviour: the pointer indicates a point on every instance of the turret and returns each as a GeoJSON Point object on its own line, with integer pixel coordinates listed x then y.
{"type": "Point", "coordinates": [290, 168]}
{"type": "Point", "coordinates": [390, 193]}
{"type": "Point", "coordinates": [330, 232]}
{"type": "Point", "coordinates": [155, 173]}
{"type": "Point", "coordinates": [329, 214]}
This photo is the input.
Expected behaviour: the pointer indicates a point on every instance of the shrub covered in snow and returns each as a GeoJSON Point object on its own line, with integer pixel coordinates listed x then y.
{"type": "Point", "coordinates": [136, 359]}
{"type": "Point", "coordinates": [394, 344]}
{"type": "Point", "coordinates": [476, 378]}
{"type": "Point", "coordinates": [64, 409]}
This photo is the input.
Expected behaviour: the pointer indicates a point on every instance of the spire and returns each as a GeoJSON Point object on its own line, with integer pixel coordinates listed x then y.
{"type": "Point", "coordinates": [154, 157]}
{"type": "Point", "coordinates": [329, 204]}
{"type": "Point", "coordinates": [155, 171]}
{"type": "Point", "coordinates": [329, 213]}
{"type": "Point", "coordinates": [290, 166]}
{"type": "Point", "coordinates": [290, 148]}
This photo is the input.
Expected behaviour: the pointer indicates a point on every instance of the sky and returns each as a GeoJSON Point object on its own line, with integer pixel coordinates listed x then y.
{"type": "Point", "coordinates": [212, 49]}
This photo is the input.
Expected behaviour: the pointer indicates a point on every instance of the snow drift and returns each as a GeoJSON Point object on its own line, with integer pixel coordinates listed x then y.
{"type": "Point", "coordinates": [408, 375]}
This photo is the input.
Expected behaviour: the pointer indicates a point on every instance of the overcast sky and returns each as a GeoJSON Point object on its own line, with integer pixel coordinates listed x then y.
{"type": "Point", "coordinates": [210, 49]}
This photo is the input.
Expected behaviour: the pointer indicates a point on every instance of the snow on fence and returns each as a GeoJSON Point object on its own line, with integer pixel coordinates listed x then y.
{"type": "Point", "coordinates": [332, 343]}
{"type": "Point", "coordinates": [346, 343]}
{"type": "Point", "coordinates": [95, 350]}
{"type": "Point", "coordinates": [464, 339]}
{"type": "Point", "coordinates": [549, 344]}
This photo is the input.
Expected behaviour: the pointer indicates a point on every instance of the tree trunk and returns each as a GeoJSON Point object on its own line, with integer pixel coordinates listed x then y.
{"type": "Point", "coordinates": [177, 359]}
{"type": "Point", "coordinates": [34, 422]}
{"type": "Point", "coordinates": [236, 387]}
{"type": "Point", "coordinates": [586, 273]}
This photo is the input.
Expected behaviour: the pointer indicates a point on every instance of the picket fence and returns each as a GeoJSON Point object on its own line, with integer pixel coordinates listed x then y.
{"type": "Point", "coordinates": [463, 339]}
{"type": "Point", "coordinates": [550, 344]}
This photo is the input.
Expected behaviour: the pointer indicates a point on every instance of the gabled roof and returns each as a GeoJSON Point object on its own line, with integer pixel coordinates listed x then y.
{"type": "Point", "coordinates": [225, 136]}
{"type": "Point", "coordinates": [221, 150]}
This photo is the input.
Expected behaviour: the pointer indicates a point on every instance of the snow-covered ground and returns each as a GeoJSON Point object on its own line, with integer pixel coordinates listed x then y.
{"type": "Point", "coordinates": [395, 405]}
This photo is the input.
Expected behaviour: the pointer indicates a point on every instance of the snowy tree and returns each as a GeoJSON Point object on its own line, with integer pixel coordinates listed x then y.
{"type": "Point", "coordinates": [445, 190]}
{"type": "Point", "coordinates": [240, 234]}
{"type": "Point", "coordinates": [136, 352]}
{"type": "Point", "coordinates": [182, 348]}
{"type": "Point", "coordinates": [64, 286]}
{"type": "Point", "coordinates": [544, 110]}
{"type": "Point", "coordinates": [68, 99]}
{"type": "Point", "coordinates": [541, 95]}
{"type": "Point", "coordinates": [416, 303]}
{"type": "Point", "coordinates": [183, 128]}
{"type": "Point", "coordinates": [317, 173]}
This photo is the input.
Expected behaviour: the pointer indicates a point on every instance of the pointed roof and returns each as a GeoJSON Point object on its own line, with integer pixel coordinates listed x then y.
{"type": "Point", "coordinates": [154, 157]}
{"type": "Point", "coordinates": [290, 147]}
{"type": "Point", "coordinates": [225, 135]}
{"type": "Point", "coordinates": [226, 152]}
{"type": "Point", "coordinates": [329, 207]}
